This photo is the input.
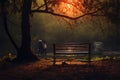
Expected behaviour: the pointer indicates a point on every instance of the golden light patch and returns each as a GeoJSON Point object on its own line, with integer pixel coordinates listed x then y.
{"type": "Point", "coordinates": [71, 8]}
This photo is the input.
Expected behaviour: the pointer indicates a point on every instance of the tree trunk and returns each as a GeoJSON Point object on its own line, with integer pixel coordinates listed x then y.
{"type": "Point", "coordinates": [25, 53]}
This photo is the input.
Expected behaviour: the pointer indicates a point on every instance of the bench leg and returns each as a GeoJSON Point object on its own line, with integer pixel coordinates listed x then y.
{"type": "Point", "coordinates": [89, 59]}
{"type": "Point", "coordinates": [54, 60]}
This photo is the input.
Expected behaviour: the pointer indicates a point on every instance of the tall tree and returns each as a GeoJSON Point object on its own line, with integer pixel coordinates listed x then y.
{"type": "Point", "coordinates": [25, 52]}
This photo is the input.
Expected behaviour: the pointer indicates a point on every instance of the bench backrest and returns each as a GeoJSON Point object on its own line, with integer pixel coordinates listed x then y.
{"type": "Point", "coordinates": [72, 48]}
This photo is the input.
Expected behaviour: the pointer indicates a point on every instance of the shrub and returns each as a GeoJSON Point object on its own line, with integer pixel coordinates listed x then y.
{"type": "Point", "coordinates": [6, 60]}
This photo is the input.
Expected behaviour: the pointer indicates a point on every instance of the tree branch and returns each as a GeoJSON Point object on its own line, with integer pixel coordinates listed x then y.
{"type": "Point", "coordinates": [46, 6]}
{"type": "Point", "coordinates": [65, 16]}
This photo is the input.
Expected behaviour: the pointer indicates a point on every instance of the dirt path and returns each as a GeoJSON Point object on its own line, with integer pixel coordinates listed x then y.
{"type": "Point", "coordinates": [44, 70]}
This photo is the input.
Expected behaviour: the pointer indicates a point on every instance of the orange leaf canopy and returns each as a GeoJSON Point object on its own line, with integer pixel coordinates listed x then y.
{"type": "Point", "coordinates": [71, 8]}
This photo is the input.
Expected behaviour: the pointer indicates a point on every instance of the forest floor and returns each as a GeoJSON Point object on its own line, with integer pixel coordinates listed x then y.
{"type": "Point", "coordinates": [45, 70]}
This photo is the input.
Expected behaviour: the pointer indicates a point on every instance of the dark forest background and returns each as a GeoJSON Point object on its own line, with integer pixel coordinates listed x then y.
{"type": "Point", "coordinates": [53, 29]}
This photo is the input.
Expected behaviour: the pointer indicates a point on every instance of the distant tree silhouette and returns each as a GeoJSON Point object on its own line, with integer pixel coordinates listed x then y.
{"type": "Point", "coordinates": [4, 17]}
{"type": "Point", "coordinates": [111, 10]}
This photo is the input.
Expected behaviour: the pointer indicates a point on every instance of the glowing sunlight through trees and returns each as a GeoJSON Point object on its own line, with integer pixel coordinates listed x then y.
{"type": "Point", "coordinates": [72, 8]}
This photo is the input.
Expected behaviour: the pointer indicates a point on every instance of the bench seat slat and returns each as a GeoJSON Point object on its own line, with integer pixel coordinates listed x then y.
{"type": "Point", "coordinates": [72, 52]}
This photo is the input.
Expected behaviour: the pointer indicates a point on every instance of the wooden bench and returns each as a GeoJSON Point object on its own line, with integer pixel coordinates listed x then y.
{"type": "Point", "coordinates": [71, 49]}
